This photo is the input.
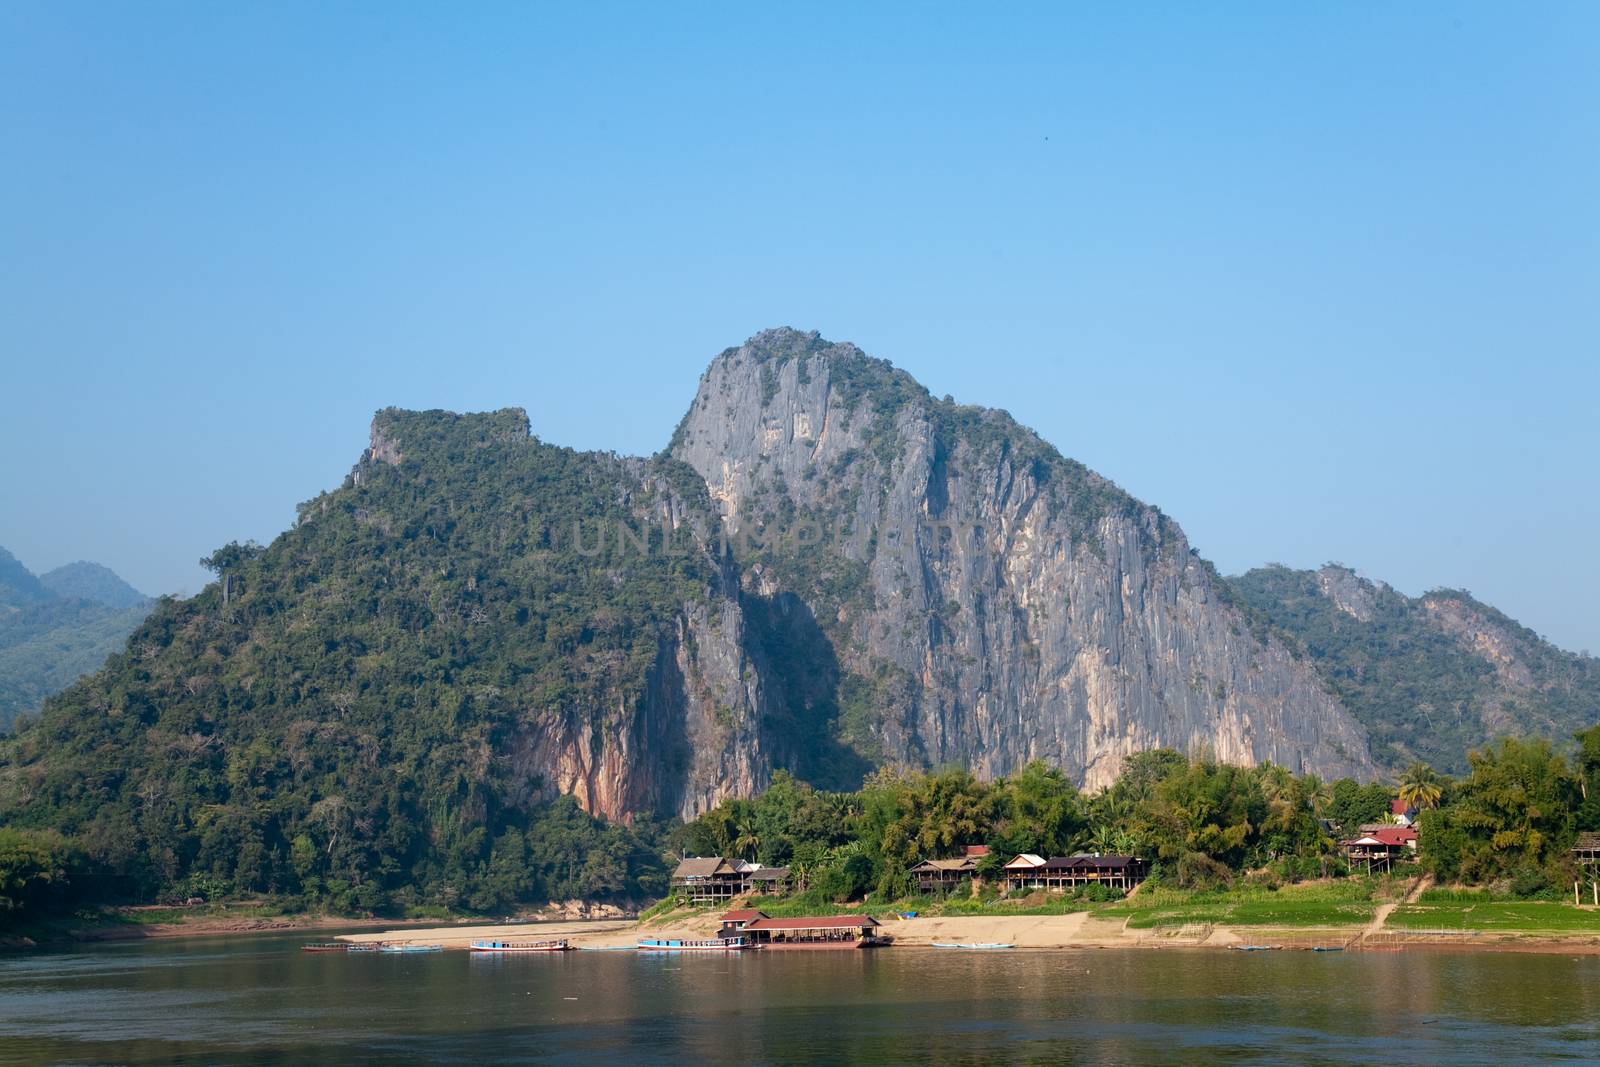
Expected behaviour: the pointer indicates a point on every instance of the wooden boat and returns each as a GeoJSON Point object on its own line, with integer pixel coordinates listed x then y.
{"type": "Point", "coordinates": [559, 945]}
{"type": "Point", "coordinates": [1255, 948]}
{"type": "Point", "coordinates": [682, 944]}
{"type": "Point", "coordinates": [408, 948]}
{"type": "Point", "coordinates": [325, 946]}
{"type": "Point", "coordinates": [973, 944]}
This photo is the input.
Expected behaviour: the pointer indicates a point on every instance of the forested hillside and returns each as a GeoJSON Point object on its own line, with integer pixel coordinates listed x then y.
{"type": "Point", "coordinates": [379, 707]}
{"type": "Point", "coordinates": [1430, 677]}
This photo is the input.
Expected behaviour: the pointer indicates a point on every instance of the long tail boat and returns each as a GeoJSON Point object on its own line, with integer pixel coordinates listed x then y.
{"type": "Point", "coordinates": [682, 944]}
{"type": "Point", "coordinates": [973, 944]}
{"type": "Point", "coordinates": [559, 945]}
{"type": "Point", "coordinates": [325, 946]}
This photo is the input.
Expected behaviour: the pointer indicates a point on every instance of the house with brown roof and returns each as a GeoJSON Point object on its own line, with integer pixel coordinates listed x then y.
{"type": "Point", "coordinates": [768, 881]}
{"type": "Point", "coordinates": [716, 880]}
{"type": "Point", "coordinates": [817, 931]}
{"type": "Point", "coordinates": [1587, 850]}
{"type": "Point", "coordinates": [948, 875]}
{"type": "Point", "coordinates": [945, 876]}
{"type": "Point", "coordinates": [706, 880]}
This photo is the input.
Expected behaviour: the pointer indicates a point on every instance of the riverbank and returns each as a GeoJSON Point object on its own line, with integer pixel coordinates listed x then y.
{"type": "Point", "coordinates": [1078, 930]}
{"type": "Point", "coordinates": [235, 918]}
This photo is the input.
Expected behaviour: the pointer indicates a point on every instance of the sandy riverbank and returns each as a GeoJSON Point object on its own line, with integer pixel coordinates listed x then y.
{"type": "Point", "coordinates": [1080, 930]}
{"type": "Point", "coordinates": [586, 933]}
{"type": "Point", "coordinates": [226, 926]}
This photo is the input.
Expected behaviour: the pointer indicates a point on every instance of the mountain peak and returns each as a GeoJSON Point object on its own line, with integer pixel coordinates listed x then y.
{"type": "Point", "coordinates": [18, 586]}
{"type": "Point", "coordinates": [94, 582]}
{"type": "Point", "coordinates": [987, 597]}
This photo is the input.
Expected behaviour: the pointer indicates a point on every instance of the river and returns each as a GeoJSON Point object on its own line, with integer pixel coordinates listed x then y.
{"type": "Point", "coordinates": [260, 1000]}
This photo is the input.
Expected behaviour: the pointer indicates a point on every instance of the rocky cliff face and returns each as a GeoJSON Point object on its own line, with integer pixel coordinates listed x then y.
{"type": "Point", "coordinates": [988, 601]}
{"type": "Point", "coordinates": [685, 733]}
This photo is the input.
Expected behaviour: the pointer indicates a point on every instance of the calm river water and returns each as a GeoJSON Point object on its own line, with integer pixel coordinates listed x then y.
{"type": "Point", "coordinates": [259, 1000]}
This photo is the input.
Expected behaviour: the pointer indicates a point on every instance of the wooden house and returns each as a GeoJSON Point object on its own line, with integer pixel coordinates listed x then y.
{"type": "Point", "coordinates": [1381, 847]}
{"type": "Point", "coordinates": [945, 876]}
{"type": "Point", "coordinates": [768, 881]}
{"type": "Point", "coordinates": [716, 880]}
{"type": "Point", "coordinates": [1587, 851]}
{"type": "Point", "coordinates": [1028, 872]}
{"type": "Point", "coordinates": [948, 875]}
{"type": "Point", "coordinates": [1019, 872]}
{"type": "Point", "coordinates": [706, 880]}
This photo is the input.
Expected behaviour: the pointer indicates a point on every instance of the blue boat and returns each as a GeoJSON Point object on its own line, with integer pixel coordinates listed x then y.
{"type": "Point", "coordinates": [559, 945]}
{"type": "Point", "coordinates": [682, 944]}
{"type": "Point", "coordinates": [408, 949]}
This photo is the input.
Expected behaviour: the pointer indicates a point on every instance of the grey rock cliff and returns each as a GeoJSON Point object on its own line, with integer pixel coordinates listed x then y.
{"type": "Point", "coordinates": [990, 602]}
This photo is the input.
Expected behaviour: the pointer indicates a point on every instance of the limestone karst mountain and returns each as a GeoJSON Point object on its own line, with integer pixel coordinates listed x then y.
{"type": "Point", "coordinates": [989, 601]}
{"type": "Point", "coordinates": [827, 570]}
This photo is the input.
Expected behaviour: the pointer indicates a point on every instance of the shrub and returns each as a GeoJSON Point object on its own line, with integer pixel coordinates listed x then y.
{"type": "Point", "coordinates": [1196, 870]}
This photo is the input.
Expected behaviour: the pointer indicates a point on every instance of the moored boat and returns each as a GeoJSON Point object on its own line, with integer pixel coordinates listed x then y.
{"type": "Point", "coordinates": [559, 945]}
{"type": "Point", "coordinates": [972, 944]}
{"type": "Point", "coordinates": [684, 944]}
{"type": "Point", "coordinates": [325, 946]}
{"type": "Point", "coordinates": [409, 948]}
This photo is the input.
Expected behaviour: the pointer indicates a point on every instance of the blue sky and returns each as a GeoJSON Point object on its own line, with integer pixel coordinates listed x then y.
{"type": "Point", "coordinates": [1319, 280]}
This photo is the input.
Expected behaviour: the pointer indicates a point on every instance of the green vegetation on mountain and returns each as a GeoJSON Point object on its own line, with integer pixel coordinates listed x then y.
{"type": "Point", "coordinates": [1430, 677]}
{"type": "Point", "coordinates": [339, 716]}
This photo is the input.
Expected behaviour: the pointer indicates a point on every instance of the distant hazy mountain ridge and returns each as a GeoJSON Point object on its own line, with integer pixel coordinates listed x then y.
{"type": "Point", "coordinates": [57, 627]}
{"type": "Point", "coordinates": [1430, 677]}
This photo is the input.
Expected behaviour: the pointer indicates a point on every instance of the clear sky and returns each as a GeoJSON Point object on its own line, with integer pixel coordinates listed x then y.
{"type": "Point", "coordinates": [1321, 280]}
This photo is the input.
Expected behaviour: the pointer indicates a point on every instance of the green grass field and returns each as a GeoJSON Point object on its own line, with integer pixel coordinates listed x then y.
{"type": "Point", "coordinates": [1496, 916]}
{"type": "Point", "coordinates": [1311, 905]}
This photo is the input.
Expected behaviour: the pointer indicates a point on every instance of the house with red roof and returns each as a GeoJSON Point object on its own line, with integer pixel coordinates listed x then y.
{"type": "Point", "coordinates": [1381, 847]}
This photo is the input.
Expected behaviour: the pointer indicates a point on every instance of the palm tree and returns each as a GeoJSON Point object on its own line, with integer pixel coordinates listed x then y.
{"type": "Point", "coordinates": [1318, 792]}
{"type": "Point", "coordinates": [1421, 786]}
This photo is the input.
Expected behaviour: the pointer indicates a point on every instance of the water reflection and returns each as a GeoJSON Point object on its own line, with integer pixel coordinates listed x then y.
{"type": "Point", "coordinates": [260, 1000]}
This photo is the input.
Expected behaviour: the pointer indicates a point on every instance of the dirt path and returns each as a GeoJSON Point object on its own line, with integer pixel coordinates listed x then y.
{"type": "Point", "coordinates": [1381, 916]}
